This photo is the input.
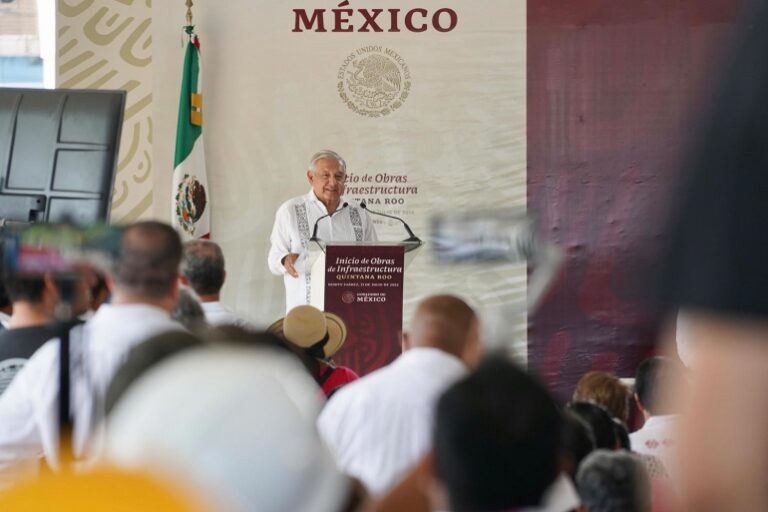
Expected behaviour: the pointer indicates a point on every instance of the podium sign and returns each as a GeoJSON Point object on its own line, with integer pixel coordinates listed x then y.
{"type": "Point", "coordinates": [364, 286]}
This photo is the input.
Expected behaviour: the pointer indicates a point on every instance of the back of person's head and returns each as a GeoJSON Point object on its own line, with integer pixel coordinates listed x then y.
{"type": "Point", "coordinates": [604, 389]}
{"type": "Point", "coordinates": [498, 439]}
{"type": "Point", "coordinates": [148, 265]}
{"type": "Point", "coordinates": [622, 434]}
{"type": "Point", "coordinates": [5, 301]}
{"type": "Point", "coordinates": [447, 323]}
{"type": "Point", "coordinates": [99, 292]}
{"type": "Point", "coordinates": [578, 442]}
{"type": "Point", "coordinates": [600, 422]}
{"type": "Point", "coordinates": [25, 288]}
{"type": "Point", "coordinates": [613, 482]}
{"type": "Point", "coordinates": [45, 292]}
{"type": "Point", "coordinates": [188, 311]}
{"type": "Point", "coordinates": [203, 266]}
{"type": "Point", "coordinates": [650, 379]}
{"type": "Point", "coordinates": [235, 422]}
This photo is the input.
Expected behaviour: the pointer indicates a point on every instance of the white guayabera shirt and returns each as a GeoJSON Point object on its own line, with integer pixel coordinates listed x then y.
{"type": "Point", "coordinates": [294, 222]}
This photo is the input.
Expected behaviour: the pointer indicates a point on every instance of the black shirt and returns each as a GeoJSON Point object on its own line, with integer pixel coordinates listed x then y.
{"type": "Point", "coordinates": [18, 345]}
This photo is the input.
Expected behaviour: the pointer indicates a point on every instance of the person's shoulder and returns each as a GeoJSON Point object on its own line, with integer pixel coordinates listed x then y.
{"type": "Point", "coordinates": [42, 361]}
{"type": "Point", "coordinates": [24, 341]}
{"type": "Point", "coordinates": [364, 388]}
{"type": "Point", "coordinates": [637, 437]}
{"type": "Point", "coordinates": [25, 332]}
{"type": "Point", "coordinates": [352, 392]}
{"type": "Point", "coordinates": [290, 203]}
{"type": "Point", "coordinates": [347, 374]}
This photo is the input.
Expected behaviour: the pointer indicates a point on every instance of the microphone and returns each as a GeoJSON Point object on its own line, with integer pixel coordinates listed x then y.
{"type": "Point", "coordinates": [314, 231]}
{"type": "Point", "coordinates": [411, 238]}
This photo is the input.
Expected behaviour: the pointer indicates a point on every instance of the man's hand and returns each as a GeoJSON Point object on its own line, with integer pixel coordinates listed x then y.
{"type": "Point", "coordinates": [288, 261]}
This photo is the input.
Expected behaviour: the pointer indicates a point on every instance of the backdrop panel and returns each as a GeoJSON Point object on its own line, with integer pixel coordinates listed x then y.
{"type": "Point", "coordinates": [615, 92]}
{"type": "Point", "coordinates": [448, 133]}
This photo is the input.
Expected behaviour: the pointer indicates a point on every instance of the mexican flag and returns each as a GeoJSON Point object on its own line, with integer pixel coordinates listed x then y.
{"type": "Point", "coordinates": [190, 208]}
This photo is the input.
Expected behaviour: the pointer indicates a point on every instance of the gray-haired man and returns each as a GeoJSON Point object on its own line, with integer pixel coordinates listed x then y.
{"type": "Point", "coordinates": [203, 270]}
{"type": "Point", "coordinates": [295, 220]}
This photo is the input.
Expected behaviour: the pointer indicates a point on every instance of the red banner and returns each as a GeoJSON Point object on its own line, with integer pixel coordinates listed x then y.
{"type": "Point", "coordinates": [364, 286]}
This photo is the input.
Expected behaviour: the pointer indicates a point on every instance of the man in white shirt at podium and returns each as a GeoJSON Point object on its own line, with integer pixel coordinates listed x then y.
{"type": "Point", "coordinates": [296, 219]}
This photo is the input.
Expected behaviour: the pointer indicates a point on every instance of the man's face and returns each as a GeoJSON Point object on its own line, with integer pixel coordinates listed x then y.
{"type": "Point", "coordinates": [327, 181]}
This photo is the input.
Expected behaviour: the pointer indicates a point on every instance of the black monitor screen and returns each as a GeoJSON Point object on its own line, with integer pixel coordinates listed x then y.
{"type": "Point", "coordinates": [58, 154]}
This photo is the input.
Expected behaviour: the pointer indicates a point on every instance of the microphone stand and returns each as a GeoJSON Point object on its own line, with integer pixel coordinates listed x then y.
{"type": "Point", "coordinates": [317, 222]}
{"type": "Point", "coordinates": [411, 238]}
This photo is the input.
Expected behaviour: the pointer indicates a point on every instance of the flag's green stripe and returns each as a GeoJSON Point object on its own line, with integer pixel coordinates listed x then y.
{"type": "Point", "coordinates": [186, 132]}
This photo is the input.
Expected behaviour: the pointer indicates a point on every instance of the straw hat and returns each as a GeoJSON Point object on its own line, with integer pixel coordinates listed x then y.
{"type": "Point", "coordinates": [307, 327]}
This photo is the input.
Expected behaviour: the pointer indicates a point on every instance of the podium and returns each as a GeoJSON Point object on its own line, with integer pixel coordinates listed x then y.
{"type": "Point", "coordinates": [362, 282]}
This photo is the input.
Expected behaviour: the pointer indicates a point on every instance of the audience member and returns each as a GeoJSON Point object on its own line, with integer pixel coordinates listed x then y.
{"type": "Point", "coordinates": [578, 442]}
{"type": "Point", "coordinates": [188, 311]}
{"type": "Point", "coordinates": [380, 426]}
{"type": "Point", "coordinates": [600, 422]}
{"type": "Point", "coordinates": [613, 481]}
{"type": "Point", "coordinates": [716, 274]}
{"type": "Point", "coordinates": [145, 356]}
{"type": "Point", "coordinates": [99, 295]}
{"type": "Point", "coordinates": [145, 290]}
{"type": "Point", "coordinates": [498, 443]}
{"type": "Point", "coordinates": [6, 306]}
{"type": "Point", "coordinates": [604, 389]}
{"type": "Point", "coordinates": [319, 335]}
{"type": "Point", "coordinates": [244, 434]}
{"type": "Point", "coordinates": [202, 269]}
{"type": "Point", "coordinates": [656, 437]}
{"type": "Point", "coordinates": [622, 435]}
{"type": "Point", "coordinates": [34, 302]}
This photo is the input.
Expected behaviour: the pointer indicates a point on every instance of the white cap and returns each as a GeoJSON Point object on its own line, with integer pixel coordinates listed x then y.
{"type": "Point", "coordinates": [235, 423]}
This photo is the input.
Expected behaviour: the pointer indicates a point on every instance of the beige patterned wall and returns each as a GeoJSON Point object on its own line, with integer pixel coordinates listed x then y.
{"type": "Point", "coordinates": [106, 44]}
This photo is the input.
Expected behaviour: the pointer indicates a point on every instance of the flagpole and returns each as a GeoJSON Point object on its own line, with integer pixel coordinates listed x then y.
{"type": "Point", "coordinates": [190, 201]}
{"type": "Point", "coordinates": [189, 4]}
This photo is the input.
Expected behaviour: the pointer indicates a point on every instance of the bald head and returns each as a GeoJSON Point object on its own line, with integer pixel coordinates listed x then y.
{"type": "Point", "coordinates": [447, 323]}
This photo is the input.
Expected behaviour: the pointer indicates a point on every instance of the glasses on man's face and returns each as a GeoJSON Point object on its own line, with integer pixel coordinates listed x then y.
{"type": "Point", "coordinates": [326, 177]}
